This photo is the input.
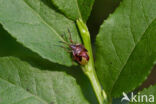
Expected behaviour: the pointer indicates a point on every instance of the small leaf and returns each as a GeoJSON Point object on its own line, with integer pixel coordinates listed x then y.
{"type": "Point", "coordinates": [36, 25]}
{"type": "Point", "coordinates": [75, 9]}
{"type": "Point", "coordinates": [22, 84]}
{"type": "Point", "coordinates": [125, 46]}
{"type": "Point", "coordinates": [150, 93]}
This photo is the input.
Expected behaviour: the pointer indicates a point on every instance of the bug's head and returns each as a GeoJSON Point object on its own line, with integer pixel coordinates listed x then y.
{"type": "Point", "coordinates": [73, 47]}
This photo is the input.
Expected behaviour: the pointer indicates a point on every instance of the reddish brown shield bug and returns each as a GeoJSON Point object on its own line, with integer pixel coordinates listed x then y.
{"type": "Point", "coordinates": [79, 52]}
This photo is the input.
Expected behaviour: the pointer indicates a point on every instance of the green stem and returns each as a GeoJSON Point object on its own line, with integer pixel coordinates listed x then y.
{"type": "Point", "coordinates": [89, 69]}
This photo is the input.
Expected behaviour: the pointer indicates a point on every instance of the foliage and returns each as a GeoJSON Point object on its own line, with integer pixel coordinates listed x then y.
{"type": "Point", "coordinates": [35, 70]}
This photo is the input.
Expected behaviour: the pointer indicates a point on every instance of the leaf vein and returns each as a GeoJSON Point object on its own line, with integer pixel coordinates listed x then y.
{"type": "Point", "coordinates": [113, 45]}
{"type": "Point", "coordinates": [130, 16]}
{"type": "Point", "coordinates": [44, 21]}
{"type": "Point", "coordinates": [78, 8]}
{"type": "Point", "coordinates": [146, 18]}
{"type": "Point", "coordinates": [25, 90]}
{"type": "Point", "coordinates": [130, 56]}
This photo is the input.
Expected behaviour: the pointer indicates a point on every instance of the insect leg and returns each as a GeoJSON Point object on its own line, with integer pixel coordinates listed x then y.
{"type": "Point", "coordinates": [70, 38]}
{"type": "Point", "coordinates": [65, 48]}
{"type": "Point", "coordinates": [64, 43]}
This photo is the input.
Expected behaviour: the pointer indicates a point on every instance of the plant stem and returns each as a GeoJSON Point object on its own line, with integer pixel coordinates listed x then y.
{"type": "Point", "coordinates": [89, 68]}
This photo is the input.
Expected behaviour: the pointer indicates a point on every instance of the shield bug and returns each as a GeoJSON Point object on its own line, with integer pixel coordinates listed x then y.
{"type": "Point", "coordinates": [79, 52]}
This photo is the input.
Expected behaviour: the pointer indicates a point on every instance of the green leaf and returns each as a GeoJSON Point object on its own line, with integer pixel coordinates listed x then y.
{"type": "Point", "coordinates": [36, 25]}
{"type": "Point", "coordinates": [21, 83]}
{"type": "Point", "coordinates": [9, 47]}
{"type": "Point", "coordinates": [75, 9]}
{"type": "Point", "coordinates": [125, 46]}
{"type": "Point", "coordinates": [151, 91]}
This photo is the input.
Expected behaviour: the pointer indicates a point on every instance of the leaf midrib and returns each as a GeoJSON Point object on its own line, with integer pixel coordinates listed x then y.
{"type": "Point", "coordinates": [78, 8]}
{"type": "Point", "coordinates": [51, 28]}
{"type": "Point", "coordinates": [25, 90]}
{"type": "Point", "coordinates": [131, 54]}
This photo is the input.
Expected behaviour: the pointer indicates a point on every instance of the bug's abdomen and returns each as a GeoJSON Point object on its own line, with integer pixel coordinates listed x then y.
{"type": "Point", "coordinates": [80, 54]}
{"type": "Point", "coordinates": [82, 58]}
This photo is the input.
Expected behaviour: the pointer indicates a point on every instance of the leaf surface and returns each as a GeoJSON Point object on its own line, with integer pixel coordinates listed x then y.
{"type": "Point", "coordinates": [125, 46]}
{"type": "Point", "coordinates": [9, 47]}
{"type": "Point", "coordinates": [21, 83]}
{"type": "Point", "coordinates": [149, 92]}
{"type": "Point", "coordinates": [36, 25]}
{"type": "Point", "coordinates": [75, 9]}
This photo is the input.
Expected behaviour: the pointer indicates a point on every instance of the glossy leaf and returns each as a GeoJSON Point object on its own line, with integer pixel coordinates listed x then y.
{"type": "Point", "coordinates": [39, 27]}
{"type": "Point", "coordinates": [21, 83]}
{"type": "Point", "coordinates": [125, 46]}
